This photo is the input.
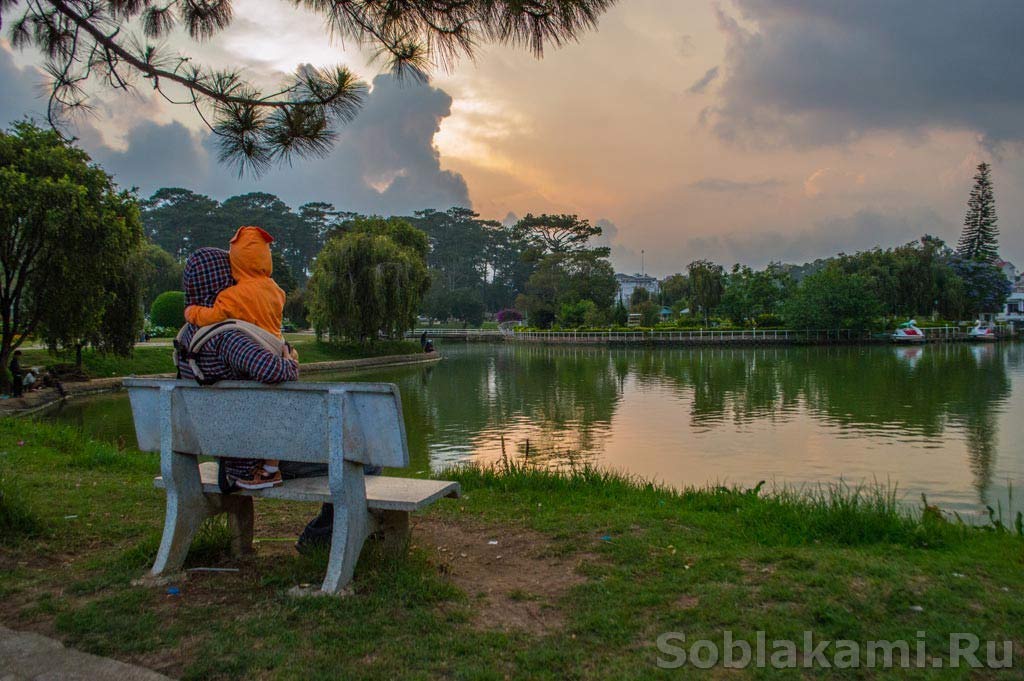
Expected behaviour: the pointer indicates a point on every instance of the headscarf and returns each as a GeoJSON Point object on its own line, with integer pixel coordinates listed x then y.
{"type": "Point", "coordinates": [207, 273]}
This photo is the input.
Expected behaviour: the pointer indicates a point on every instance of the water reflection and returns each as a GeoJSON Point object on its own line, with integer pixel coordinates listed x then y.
{"type": "Point", "coordinates": [936, 419]}
{"type": "Point", "coordinates": [928, 418]}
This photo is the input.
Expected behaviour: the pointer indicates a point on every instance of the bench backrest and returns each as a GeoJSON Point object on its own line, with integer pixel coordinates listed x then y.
{"type": "Point", "coordinates": [294, 421]}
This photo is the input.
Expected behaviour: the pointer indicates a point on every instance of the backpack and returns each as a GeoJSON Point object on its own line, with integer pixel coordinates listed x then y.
{"type": "Point", "coordinates": [268, 341]}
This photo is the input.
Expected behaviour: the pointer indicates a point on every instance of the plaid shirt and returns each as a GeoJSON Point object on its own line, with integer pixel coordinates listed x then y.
{"type": "Point", "coordinates": [235, 356]}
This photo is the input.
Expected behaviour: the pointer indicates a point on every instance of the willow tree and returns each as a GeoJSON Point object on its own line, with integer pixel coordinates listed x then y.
{"type": "Point", "coordinates": [117, 43]}
{"type": "Point", "coordinates": [369, 280]}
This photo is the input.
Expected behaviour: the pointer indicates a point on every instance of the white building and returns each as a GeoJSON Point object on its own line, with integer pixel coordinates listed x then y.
{"type": "Point", "coordinates": [1013, 310]}
{"type": "Point", "coordinates": [631, 282]}
{"type": "Point", "coordinates": [1008, 269]}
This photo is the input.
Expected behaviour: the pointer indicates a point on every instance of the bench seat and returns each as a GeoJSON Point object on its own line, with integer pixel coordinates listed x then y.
{"type": "Point", "coordinates": [382, 493]}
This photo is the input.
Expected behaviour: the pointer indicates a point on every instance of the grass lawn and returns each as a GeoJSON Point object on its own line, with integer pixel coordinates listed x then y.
{"type": "Point", "coordinates": [587, 571]}
{"type": "Point", "coordinates": [157, 359]}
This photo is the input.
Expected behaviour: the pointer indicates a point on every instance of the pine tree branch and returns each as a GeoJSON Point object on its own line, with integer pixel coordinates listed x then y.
{"type": "Point", "coordinates": [117, 52]}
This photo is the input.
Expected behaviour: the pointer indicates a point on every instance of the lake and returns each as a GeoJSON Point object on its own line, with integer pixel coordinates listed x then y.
{"type": "Point", "coordinates": [946, 420]}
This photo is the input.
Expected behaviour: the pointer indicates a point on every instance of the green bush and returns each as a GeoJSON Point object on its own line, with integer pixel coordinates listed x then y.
{"type": "Point", "coordinates": [168, 309]}
{"type": "Point", "coordinates": [769, 321]}
{"type": "Point", "coordinates": [163, 331]}
{"type": "Point", "coordinates": [689, 322]}
{"type": "Point", "coordinates": [295, 310]}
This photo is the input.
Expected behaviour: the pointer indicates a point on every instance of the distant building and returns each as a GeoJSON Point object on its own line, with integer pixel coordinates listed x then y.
{"type": "Point", "coordinates": [631, 282]}
{"type": "Point", "coordinates": [1013, 310]}
{"type": "Point", "coordinates": [1008, 269]}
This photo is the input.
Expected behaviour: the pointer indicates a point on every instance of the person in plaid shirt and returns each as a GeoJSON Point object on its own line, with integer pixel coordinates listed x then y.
{"type": "Point", "coordinates": [234, 355]}
{"type": "Point", "coordinates": [230, 355]}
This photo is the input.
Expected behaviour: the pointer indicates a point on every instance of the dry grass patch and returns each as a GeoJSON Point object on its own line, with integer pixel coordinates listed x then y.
{"type": "Point", "coordinates": [513, 578]}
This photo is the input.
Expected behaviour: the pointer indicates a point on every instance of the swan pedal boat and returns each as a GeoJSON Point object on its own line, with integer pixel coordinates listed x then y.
{"type": "Point", "coordinates": [908, 332]}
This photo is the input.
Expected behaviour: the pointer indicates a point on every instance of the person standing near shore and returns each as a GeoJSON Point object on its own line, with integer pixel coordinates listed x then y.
{"type": "Point", "coordinates": [16, 377]}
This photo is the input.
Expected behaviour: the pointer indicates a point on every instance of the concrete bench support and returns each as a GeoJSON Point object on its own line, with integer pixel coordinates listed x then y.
{"type": "Point", "coordinates": [342, 425]}
{"type": "Point", "coordinates": [388, 501]}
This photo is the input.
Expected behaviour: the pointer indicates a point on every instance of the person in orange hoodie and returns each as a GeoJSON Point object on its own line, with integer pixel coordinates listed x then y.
{"type": "Point", "coordinates": [255, 298]}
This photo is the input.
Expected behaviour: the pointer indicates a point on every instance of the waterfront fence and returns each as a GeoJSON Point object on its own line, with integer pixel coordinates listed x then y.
{"type": "Point", "coordinates": [482, 334]}
{"type": "Point", "coordinates": [698, 336]}
{"type": "Point", "coordinates": [751, 336]}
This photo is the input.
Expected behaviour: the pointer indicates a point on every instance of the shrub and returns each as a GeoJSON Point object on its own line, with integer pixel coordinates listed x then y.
{"type": "Point", "coordinates": [509, 315]}
{"type": "Point", "coordinates": [596, 317]}
{"type": "Point", "coordinates": [162, 331]}
{"type": "Point", "coordinates": [295, 309]}
{"type": "Point", "coordinates": [650, 312]}
{"type": "Point", "coordinates": [572, 315]}
{"type": "Point", "coordinates": [689, 322]}
{"type": "Point", "coordinates": [168, 309]}
{"type": "Point", "coordinates": [768, 321]}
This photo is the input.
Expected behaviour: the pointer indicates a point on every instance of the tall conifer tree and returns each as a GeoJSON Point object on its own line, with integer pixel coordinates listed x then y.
{"type": "Point", "coordinates": [980, 238]}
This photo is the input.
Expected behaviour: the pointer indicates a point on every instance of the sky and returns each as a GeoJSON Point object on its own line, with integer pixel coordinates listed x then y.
{"type": "Point", "coordinates": [739, 131]}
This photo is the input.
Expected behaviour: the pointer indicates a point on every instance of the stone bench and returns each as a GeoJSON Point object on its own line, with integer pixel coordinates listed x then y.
{"type": "Point", "coordinates": [344, 425]}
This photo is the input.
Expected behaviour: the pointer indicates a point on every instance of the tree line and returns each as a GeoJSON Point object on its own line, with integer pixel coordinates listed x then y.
{"type": "Point", "coordinates": [920, 278]}
{"type": "Point", "coordinates": [923, 277]}
{"type": "Point", "coordinates": [544, 265]}
{"type": "Point", "coordinates": [547, 268]}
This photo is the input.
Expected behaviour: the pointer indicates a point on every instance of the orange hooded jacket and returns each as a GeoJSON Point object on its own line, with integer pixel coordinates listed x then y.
{"type": "Point", "coordinates": [255, 297]}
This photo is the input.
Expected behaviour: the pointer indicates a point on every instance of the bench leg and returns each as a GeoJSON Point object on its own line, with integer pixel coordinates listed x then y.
{"type": "Point", "coordinates": [240, 523]}
{"type": "Point", "coordinates": [350, 525]}
{"type": "Point", "coordinates": [394, 528]}
{"type": "Point", "coordinates": [187, 508]}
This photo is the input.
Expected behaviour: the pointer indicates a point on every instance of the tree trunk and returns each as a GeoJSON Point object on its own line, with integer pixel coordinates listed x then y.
{"type": "Point", "coordinates": [78, 356]}
{"type": "Point", "coordinates": [5, 357]}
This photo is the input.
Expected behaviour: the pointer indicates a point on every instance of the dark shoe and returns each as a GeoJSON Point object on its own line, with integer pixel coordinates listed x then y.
{"type": "Point", "coordinates": [317, 534]}
{"type": "Point", "coordinates": [314, 539]}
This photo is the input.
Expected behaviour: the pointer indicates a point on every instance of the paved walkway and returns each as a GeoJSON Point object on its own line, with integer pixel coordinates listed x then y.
{"type": "Point", "coordinates": [24, 656]}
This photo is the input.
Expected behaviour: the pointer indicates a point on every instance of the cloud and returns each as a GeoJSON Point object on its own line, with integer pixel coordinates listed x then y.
{"type": "Point", "coordinates": [685, 47]}
{"type": "Point", "coordinates": [623, 258]}
{"type": "Point", "coordinates": [157, 156]}
{"type": "Point", "coordinates": [699, 87]}
{"type": "Point", "coordinates": [862, 230]}
{"type": "Point", "coordinates": [818, 72]}
{"type": "Point", "coordinates": [718, 184]}
{"type": "Point", "coordinates": [25, 91]}
{"type": "Point", "coordinates": [384, 161]}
